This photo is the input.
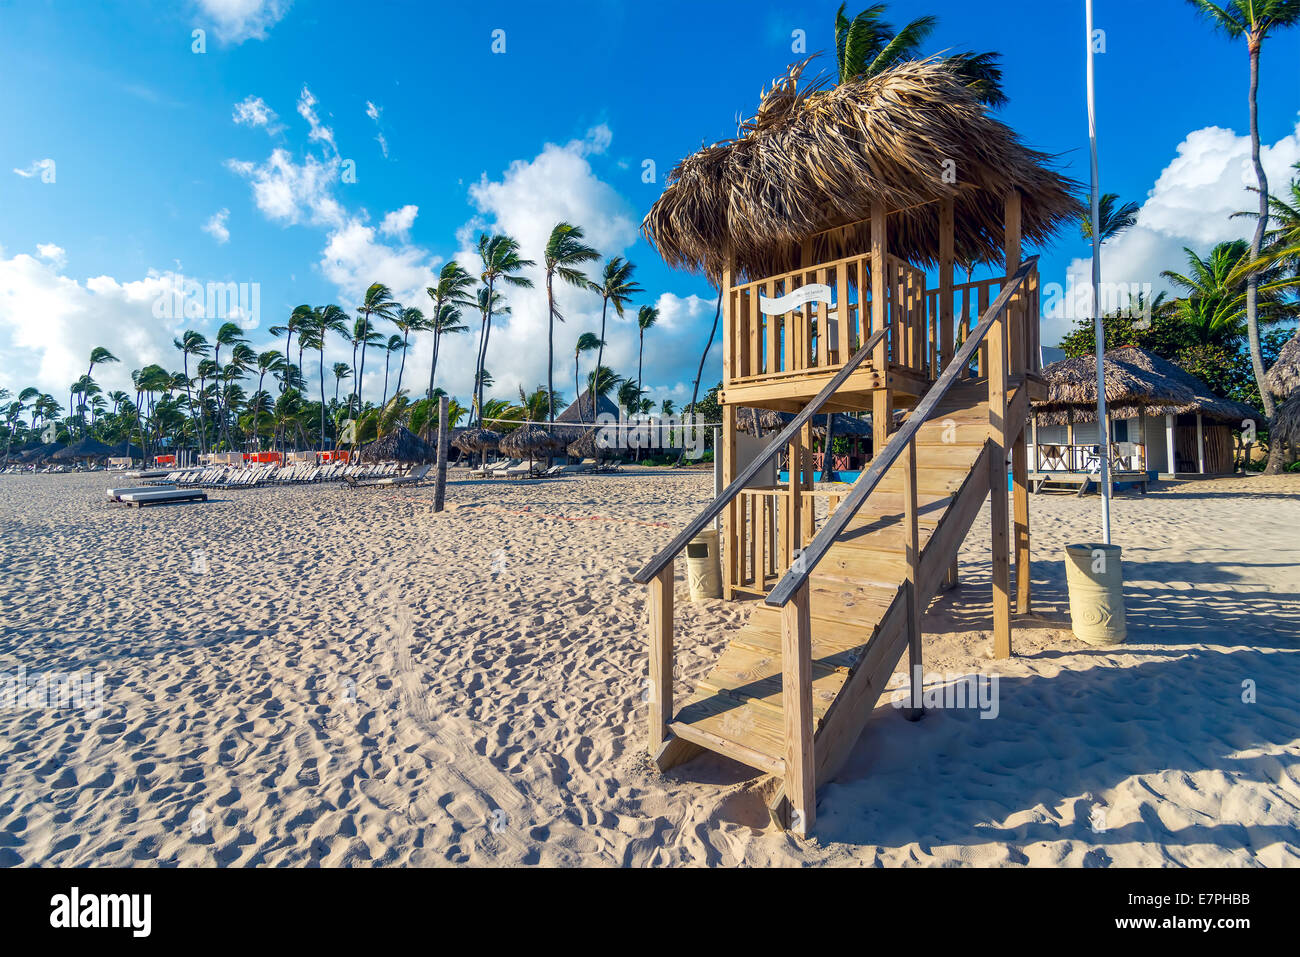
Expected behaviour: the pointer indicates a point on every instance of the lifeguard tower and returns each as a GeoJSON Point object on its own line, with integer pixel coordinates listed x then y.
{"type": "Point", "coordinates": [822, 223]}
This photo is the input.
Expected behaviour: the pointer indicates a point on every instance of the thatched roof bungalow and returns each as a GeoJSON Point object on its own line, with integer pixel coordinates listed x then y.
{"type": "Point", "coordinates": [1146, 395]}
{"type": "Point", "coordinates": [399, 445]}
{"type": "Point", "coordinates": [84, 449]}
{"type": "Point", "coordinates": [1286, 426]}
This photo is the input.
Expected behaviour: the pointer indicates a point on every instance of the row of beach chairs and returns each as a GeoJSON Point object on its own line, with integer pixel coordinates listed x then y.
{"type": "Point", "coordinates": [520, 468]}
{"type": "Point", "coordinates": [228, 477]}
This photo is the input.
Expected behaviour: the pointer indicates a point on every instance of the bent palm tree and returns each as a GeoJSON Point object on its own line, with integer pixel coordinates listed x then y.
{"type": "Point", "coordinates": [1113, 219]}
{"type": "Point", "coordinates": [450, 294]}
{"type": "Point", "coordinates": [616, 286]}
{"type": "Point", "coordinates": [379, 303]}
{"type": "Point", "coordinates": [587, 342]}
{"type": "Point", "coordinates": [501, 264]}
{"type": "Point", "coordinates": [407, 321]}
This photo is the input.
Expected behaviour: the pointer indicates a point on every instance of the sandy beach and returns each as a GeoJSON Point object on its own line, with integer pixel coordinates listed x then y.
{"type": "Point", "coordinates": [315, 675]}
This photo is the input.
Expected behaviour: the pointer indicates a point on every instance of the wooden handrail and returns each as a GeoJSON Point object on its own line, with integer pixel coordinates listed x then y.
{"type": "Point", "coordinates": [661, 560]}
{"type": "Point", "coordinates": [816, 550]}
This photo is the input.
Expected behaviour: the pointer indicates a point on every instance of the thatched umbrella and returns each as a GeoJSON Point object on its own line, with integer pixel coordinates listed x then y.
{"type": "Point", "coordinates": [85, 448]}
{"type": "Point", "coordinates": [815, 159]}
{"type": "Point", "coordinates": [40, 452]}
{"type": "Point", "coordinates": [1284, 378]}
{"type": "Point", "coordinates": [758, 421]}
{"type": "Point", "coordinates": [478, 440]}
{"type": "Point", "coordinates": [530, 440]}
{"type": "Point", "coordinates": [592, 444]}
{"type": "Point", "coordinates": [399, 445]}
{"type": "Point", "coordinates": [125, 449]}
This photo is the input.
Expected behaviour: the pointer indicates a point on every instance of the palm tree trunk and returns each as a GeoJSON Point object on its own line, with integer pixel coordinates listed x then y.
{"type": "Point", "coordinates": [550, 350]}
{"type": "Point", "coordinates": [1274, 466]}
{"type": "Point", "coordinates": [433, 366]}
{"type": "Point", "coordinates": [640, 353]}
{"type": "Point", "coordinates": [365, 340]}
{"type": "Point", "coordinates": [322, 391]}
{"type": "Point", "coordinates": [600, 358]}
{"type": "Point", "coordinates": [576, 391]}
{"type": "Point", "coordinates": [699, 374]}
{"type": "Point", "coordinates": [384, 401]}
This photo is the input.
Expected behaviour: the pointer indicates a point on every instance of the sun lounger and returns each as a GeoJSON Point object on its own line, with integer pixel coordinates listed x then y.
{"type": "Point", "coordinates": [389, 481]}
{"type": "Point", "coordinates": [115, 494]}
{"type": "Point", "coordinates": [162, 496]}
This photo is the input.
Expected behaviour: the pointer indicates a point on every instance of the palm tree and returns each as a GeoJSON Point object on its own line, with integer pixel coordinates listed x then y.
{"type": "Point", "coordinates": [98, 356]}
{"type": "Point", "coordinates": [395, 343]}
{"type": "Point", "coordinates": [230, 334]}
{"type": "Point", "coordinates": [315, 330]}
{"type": "Point", "coordinates": [267, 362]}
{"type": "Point", "coordinates": [363, 338]}
{"type": "Point", "coordinates": [1255, 21]}
{"type": "Point", "coordinates": [1113, 219]}
{"type": "Point", "coordinates": [487, 305]}
{"type": "Point", "coordinates": [501, 263]}
{"type": "Point", "coordinates": [408, 321]}
{"type": "Point", "coordinates": [296, 319]}
{"type": "Point", "coordinates": [646, 318]}
{"type": "Point", "coordinates": [587, 342]}
{"type": "Point", "coordinates": [629, 396]}
{"type": "Point", "coordinates": [601, 381]}
{"type": "Point", "coordinates": [341, 372]}
{"type": "Point", "coordinates": [867, 45]}
{"type": "Point", "coordinates": [451, 294]}
{"type": "Point", "coordinates": [195, 344]}
{"type": "Point", "coordinates": [616, 286]}
{"type": "Point", "coordinates": [378, 302]}
{"type": "Point", "coordinates": [565, 252]}
{"type": "Point", "coordinates": [1214, 307]}
{"type": "Point", "coordinates": [1282, 241]}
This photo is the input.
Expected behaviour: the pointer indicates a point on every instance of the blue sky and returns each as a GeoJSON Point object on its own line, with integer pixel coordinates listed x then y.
{"type": "Point", "coordinates": [448, 137]}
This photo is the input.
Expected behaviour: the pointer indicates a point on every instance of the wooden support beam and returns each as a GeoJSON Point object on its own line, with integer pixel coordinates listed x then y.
{"type": "Point", "coordinates": [794, 522]}
{"type": "Point", "coordinates": [808, 513]}
{"type": "Point", "coordinates": [1018, 336]}
{"type": "Point", "coordinates": [730, 536]}
{"type": "Point", "coordinates": [1020, 476]}
{"type": "Point", "coordinates": [947, 239]}
{"type": "Point", "coordinates": [998, 488]}
{"type": "Point", "coordinates": [661, 657]}
{"type": "Point", "coordinates": [796, 701]}
{"type": "Point", "coordinates": [1200, 445]}
{"type": "Point", "coordinates": [882, 399]}
{"type": "Point", "coordinates": [912, 581]}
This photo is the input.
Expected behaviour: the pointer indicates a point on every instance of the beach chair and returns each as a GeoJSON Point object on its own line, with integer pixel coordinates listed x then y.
{"type": "Point", "coordinates": [156, 496]}
{"type": "Point", "coordinates": [115, 494]}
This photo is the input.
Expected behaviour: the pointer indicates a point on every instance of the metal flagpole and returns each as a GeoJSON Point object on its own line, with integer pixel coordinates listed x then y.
{"type": "Point", "coordinates": [1103, 432]}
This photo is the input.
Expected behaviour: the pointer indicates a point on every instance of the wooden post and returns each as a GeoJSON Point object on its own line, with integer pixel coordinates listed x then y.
{"type": "Point", "coordinates": [661, 657]}
{"type": "Point", "coordinates": [794, 526]}
{"type": "Point", "coordinates": [1016, 309]}
{"type": "Point", "coordinates": [731, 514]}
{"type": "Point", "coordinates": [947, 234]}
{"type": "Point", "coordinates": [911, 561]}
{"type": "Point", "coordinates": [440, 485]}
{"type": "Point", "coordinates": [997, 449]}
{"type": "Point", "coordinates": [1172, 463]}
{"type": "Point", "coordinates": [881, 399]}
{"type": "Point", "coordinates": [1019, 472]}
{"type": "Point", "coordinates": [1200, 445]}
{"type": "Point", "coordinates": [796, 701]}
{"type": "Point", "coordinates": [808, 513]}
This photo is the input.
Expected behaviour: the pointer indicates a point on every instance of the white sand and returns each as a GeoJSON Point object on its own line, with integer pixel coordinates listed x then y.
{"type": "Point", "coordinates": [356, 680]}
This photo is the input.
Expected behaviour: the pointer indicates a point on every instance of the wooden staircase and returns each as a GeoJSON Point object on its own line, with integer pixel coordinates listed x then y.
{"type": "Point", "coordinates": [857, 603]}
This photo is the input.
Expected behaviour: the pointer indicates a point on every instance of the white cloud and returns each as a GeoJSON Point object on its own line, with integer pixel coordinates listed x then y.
{"type": "Point", "coordinates": [55, 254]}
{"type": "Point", "coordinates": [307, 110]}
{"type": "Point", "coordinates": [399, 221]}
{"type": "Point", "coordinates": [240, 20]}
{"type": "Point", "coordinates": [1191, 205]}
{"type": "Point", "coordinates": [35, 168]}
{"type": "Point", "coordinates": [289, 193]}
{"type": "Point", "coordinates": [373, 111]}
{"type": "Point", "coordinates": [253, 111]}
{"type": "Point", "coordinates": [216, 226]}
{"type": "Point", "coordinates": [353, 259]}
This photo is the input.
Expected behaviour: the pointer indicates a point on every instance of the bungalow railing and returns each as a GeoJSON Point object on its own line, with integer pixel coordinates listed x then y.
{"type": "Point", "coordinates": [783, 327]}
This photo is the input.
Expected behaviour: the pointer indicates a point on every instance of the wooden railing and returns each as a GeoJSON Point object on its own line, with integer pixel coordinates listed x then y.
{"type": "Point", "coordinates": [767, 535]}
{"type": "Point", "coordinates": [791, 593]}
{"type": "Point", "coordinates": [658, 572]}
{"type": "Point", "coordinates": [816, 336]}
{"type": "Point", "coordinates": [920, 335]}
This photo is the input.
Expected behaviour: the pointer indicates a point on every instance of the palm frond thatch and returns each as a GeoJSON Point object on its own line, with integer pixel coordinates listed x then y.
{"type": "Point", "coordinates": [530, 440]}
{"type": "Point", "coordinates": [1286, 423]}
{"type": "Point", "coordinates": [812, 160]}
{"type": "Point", "coordinates": [1203, 401]}
{"type": "Point", "coordinates": [84, 448]}
{"type": "Point", "coordinates": [1072, 391]}
{"type": "Point", "coordinates": [592, 444]}
{"type": "Point", "coordinates": [399, 445]}
{"type": "Point", "coordinates": [478, 440]}
{"type": "Point", "coordinates": [1284, 378]}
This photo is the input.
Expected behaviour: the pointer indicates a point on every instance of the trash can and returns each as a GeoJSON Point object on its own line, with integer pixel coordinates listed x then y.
{"type": "Point", "coordinates": [1095, 579]}
{"type": "Point", "coordinates": [703, 566]}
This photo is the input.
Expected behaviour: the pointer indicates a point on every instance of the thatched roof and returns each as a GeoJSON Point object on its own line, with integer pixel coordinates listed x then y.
{"type": "Point", "coordinates": [588, 445]}
{"type": "Point", "coordinates": [1137, 381]}
{"type": "Point", "coordinates": [1072, 391]}
{"type": "Point", "coordinates": [605, 406]}
{"type": "Point", "coordinates": [1286, 426]}
{"type": "Point", "coordinates": [399, 445]}
{"type": "Point", "coordinates": [530, 440]}
{"type": "Point", "coordinates": [815, 159]}
{"type": "Point", "coordinates": [1284, 377]}
{"type": "Point", "coordinates": [40, 451]}
{"type": "Point", "coordinates": [477, 440]}
{"type": "Point", "coordinates": [1203, 400]}
{"type": "Point", "coordinates": [86, 447]}
{"type": "Point", "coordinates": [124, 449]}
